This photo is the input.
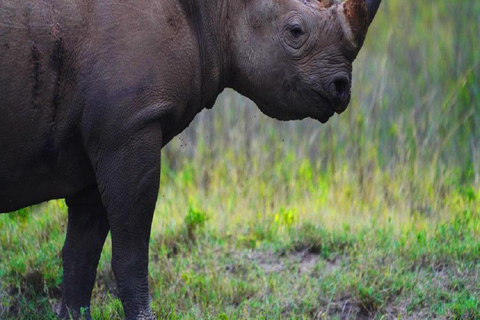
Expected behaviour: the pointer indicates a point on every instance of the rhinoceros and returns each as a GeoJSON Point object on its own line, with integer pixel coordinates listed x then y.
{"type": "Point", "coordinates": [91, 90]}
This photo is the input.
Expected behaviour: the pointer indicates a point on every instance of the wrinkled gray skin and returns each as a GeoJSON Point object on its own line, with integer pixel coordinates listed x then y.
{"type": "Point", "coordinates": [90, 92]}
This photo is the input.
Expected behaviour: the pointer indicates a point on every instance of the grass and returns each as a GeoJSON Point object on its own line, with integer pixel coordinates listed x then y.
{"type": "Point", "coordinates": [375, 215]}
{"type": "Point", "coordinates": [328, 253]}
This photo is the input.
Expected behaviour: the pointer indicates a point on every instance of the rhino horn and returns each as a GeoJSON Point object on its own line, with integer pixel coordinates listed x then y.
{"type": "Point", "coordinates": [356, 16]}
{"type": "Point", "coordinates": [372, 7]}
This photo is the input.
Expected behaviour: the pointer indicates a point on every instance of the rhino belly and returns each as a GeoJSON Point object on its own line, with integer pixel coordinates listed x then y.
{"type": "Point", "coordinates": [42, 180]}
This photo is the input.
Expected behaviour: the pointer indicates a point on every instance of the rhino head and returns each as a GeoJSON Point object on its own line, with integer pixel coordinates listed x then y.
{"type": "Point", "coordinates": [293, 58]}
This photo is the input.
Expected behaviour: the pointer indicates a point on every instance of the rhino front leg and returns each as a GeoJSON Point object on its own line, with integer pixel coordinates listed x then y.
{"type": "Point", "coordinates": [86, 233]}
{"type": "Point", "coordinates": [128, 178]}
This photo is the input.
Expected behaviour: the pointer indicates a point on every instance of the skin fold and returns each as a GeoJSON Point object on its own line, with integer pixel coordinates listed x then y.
{"type": "Point", "coordinates": [90, 92]}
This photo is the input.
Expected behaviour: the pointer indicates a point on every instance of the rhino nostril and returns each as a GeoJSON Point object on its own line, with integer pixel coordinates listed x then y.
{"type": "Point", "coordinates": [342, 87]}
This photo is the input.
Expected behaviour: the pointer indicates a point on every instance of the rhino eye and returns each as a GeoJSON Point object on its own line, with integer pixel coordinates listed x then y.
{"type": "Point", "coordinates": [296, 31]}
{"type": "Point", "coordinates": [294, 34]}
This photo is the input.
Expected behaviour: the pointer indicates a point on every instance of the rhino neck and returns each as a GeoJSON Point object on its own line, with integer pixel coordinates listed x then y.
{"type": "Point", "coordinates": [211, 21]}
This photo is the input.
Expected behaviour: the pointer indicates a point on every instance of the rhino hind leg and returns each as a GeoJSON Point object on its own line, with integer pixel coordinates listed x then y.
{"type": "Point", "coordinates": [86, 233]}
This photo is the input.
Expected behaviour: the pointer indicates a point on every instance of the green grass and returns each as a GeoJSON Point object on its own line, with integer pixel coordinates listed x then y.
{"type": "Point", "coordinates": [232, 254]}
{"type": "Point", "coordinates": [375, 215]}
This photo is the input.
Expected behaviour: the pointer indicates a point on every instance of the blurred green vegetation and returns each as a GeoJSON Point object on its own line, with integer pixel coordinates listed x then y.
{"type": "Point", "coordinates": [415, 105]}
{"type": "Point", "coordinates": [373, 215]}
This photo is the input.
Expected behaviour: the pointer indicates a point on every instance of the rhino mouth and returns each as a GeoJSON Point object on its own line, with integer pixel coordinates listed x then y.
{"type": "Point", "coordinates": [326, 116]}
{"type": "Point", "coordinates": [326, 107]}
